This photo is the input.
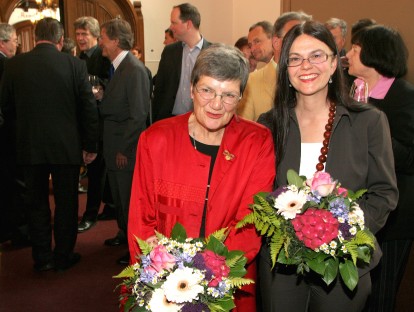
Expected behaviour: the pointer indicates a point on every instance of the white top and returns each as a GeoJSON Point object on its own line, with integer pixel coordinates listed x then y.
{"type": "Point", "coordinates": [309, 155]}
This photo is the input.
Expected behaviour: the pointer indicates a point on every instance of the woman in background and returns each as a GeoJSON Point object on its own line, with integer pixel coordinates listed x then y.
{"type": "Point", "coordinates": [316, 124]}
{"type": "Point", "coordinates": [379, 57]}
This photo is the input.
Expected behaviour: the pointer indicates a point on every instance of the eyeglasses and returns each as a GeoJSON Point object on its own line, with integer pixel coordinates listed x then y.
{"type": "Point", "coordinates": [209, 94]}
{"type": "Point", "coordinates": [315, 58]}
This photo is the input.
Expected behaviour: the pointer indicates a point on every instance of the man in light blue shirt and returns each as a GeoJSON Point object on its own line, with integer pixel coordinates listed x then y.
{"type": "Point", "coordinates": [172, 86]}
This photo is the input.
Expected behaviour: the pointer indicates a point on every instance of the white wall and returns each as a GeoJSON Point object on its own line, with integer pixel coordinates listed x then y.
{"type": "Point", "coordinates": [221, 21]}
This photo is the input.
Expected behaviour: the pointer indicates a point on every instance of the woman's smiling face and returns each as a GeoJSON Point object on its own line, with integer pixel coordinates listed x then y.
{"type": "Point", "coordinates": [308, 78]}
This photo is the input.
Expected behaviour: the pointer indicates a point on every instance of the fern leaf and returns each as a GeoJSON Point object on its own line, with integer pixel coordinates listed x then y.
{"type": "Point", "coordinates": [240, 281]}
{"type": "Point", "coordinates": [144, 246]}
{"type": "Point", "coordinates": [276, 243]}
{"type": "Point", "coordinates": [353, 250]}
{"type": "Point", "coordinates": [220, 235]}
{"type": "Point", "coordinates": [127, 272]}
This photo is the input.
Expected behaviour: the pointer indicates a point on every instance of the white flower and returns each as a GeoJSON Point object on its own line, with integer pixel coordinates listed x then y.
{"type": "Point", "coordinates": [159, 303]}
{"type": "Point", "coordinates": [290, 203]}
{"type": "Point", "coordinates": [333, 244]}
{"type": "Point", "coordinates": [183, 285]}
{"type": "Point", "coordinates": [353, 230]}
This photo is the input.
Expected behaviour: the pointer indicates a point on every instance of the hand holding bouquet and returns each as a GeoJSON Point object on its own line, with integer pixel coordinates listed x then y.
{"type": "Point", "coordinates": [183, 274]}
{"type": "Point", "coordinates": [316, 225]}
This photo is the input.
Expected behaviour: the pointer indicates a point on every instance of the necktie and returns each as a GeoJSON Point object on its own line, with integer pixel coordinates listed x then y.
{"type": "Point", "coordinates": [111, 71]}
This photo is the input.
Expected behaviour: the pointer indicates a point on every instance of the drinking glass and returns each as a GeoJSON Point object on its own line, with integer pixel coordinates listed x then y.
{"type": "Point", "coordinates": [359, 91]}
{"type": "Point", "coordinates": [95, 82]}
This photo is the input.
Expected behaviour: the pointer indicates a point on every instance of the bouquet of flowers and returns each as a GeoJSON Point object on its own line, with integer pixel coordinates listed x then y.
{"type": "Point", "coordinates": [314, 224]}
{"type": "Point", "coordinates": [184, 274]}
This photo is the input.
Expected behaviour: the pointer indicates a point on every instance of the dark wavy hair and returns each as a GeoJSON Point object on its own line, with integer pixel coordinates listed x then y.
{"type": "Point", "coordinates": [383, 49]}
{"type": "Point", "coordinates": [285, 98]}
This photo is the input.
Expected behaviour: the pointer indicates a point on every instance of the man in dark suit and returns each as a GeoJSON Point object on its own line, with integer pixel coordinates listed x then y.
{"type": "Point", "coordinates": [172, 86]}
{"type": "Point", "coordinates": [9, 214]}
{"type": "Point", "coordinates": [48, 95]}
{"type": "Point", "coordinates": [87, 32]}
{"type": "Point", "coordinates": [125, 107]}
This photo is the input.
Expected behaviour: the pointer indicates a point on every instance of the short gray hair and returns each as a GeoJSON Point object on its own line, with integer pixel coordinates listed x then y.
{"type": "Point", "coordinates": [119, 29]}
{"type": "Point", "coordinates": [88, 23]}
{"type": "Point", "coordinates": [6, 31]}
{"type": "Point", "coordinates": [221, 62]}
{"type": "Point", "coordinates": [334, 22]}
{"type": "Point", "coordinates": [286, 17]}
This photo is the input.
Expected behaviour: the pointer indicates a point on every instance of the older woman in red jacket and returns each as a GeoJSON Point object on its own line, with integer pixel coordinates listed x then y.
{"type": "Point", "coordinates": [202, 168]}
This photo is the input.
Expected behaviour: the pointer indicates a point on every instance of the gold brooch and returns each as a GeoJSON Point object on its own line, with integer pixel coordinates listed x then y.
{"type": "Point", "coordinates": [228, 155]}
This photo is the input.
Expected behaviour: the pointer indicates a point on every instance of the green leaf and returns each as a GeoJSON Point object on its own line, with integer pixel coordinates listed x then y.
{"type": "Point", "coordinates": [127, 272]}
{"type": "Point", "coordinates": [234, 257]}
{"type": "Point", "coordinates": [364, 253]}
{"type": "Point", "coordinates": [221, 235]}
{"type": "Point", "coordinates": [349, 274]}
{"type": "Point", "coordinates": [331, 270]}
{"type": "Point", "coordinates": [217, 247]}
{"type": "Point", "coordinates": [294, 178]}
{"type": "Point", "coordinates": [178, 233]}
{"type": "Point", "coordinates": [240, 282]}
{"type": "Point", "coordinates": [276, 243]}
{"type": "Point", "coordinates": [317, 264]}
{"type": "Point", "coordinates": [144, 246]}
{"type": "Point", "coordinates": [223, 304]}
{"type": "Point", "coordinates": [248, 219]}
{"type": "Point", "coordinates": [355, 195]}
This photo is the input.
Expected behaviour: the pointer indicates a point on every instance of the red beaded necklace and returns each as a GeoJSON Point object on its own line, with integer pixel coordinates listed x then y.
{"type": "Point", "coordinates": [327, 135]}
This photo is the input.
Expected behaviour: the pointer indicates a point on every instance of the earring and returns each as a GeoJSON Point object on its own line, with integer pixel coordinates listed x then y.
{"type": "Point", "coordinates": [330, 80]}
{"type": "Point", "coordinates": [290, 85]}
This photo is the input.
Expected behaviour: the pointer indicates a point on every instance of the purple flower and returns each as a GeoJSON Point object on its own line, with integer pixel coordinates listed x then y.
{"type": "Point", "coordinates": [146, 276]}
{"type": "Point", "coordinates": [344, 228]}
{"type": "Point", "coordinates": [338, 208]}
{"type": "Point", "coordinates": [145, 261]}
{"type": "Point", "coordinates": [195, 307]}
{"type": "Point", "coordinates": [278, 191]}
{"type": "Point", "coordinates": [199, 263]}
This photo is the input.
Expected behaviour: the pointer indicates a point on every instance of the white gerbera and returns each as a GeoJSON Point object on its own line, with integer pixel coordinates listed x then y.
{"type": "Point", "coordinates": [183, 285]}
{"type": "Point", "coordinates": [289, 203]}
{"type": "Point", "coordinates": [159, 303]}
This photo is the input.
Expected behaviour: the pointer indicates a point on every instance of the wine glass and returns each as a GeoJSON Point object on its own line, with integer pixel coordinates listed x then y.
{"type": "Point", "coordinates": [359, 91]}
{"type": "Point", "coordinates": [96, 84]}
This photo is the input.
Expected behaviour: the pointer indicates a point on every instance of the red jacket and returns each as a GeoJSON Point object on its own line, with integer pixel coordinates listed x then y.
{"type": "Point", "coordinates": [170, 181]}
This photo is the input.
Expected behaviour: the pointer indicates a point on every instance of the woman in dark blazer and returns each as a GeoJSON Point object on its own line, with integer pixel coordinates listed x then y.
{"type": "Point", "coordinates": [379, 57]}
{"type": "Point", "coordinates": [312, 110]}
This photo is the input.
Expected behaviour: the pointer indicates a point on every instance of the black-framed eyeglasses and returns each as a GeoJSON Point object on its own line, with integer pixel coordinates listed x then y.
{"type": "Point", "coordinates": [208, 94]}
{"type": "Point", "coordinates": [315, 58]}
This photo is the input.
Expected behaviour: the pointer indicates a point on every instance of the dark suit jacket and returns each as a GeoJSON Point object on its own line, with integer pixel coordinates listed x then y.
{"type": "Point", "coordinates": [359, 157]}
{"type": "Point", "coordinates": [125, 107]}
{"type": "Point", "coordinates": [398, 105]}
{"type": "Point", "coordinates": [168, 79]}
{"type": "Point", "coordinates": [48, 94]}
{"type": "Point", "coordinates": [98, 65]}
{"type": "Point", "coordinates": [2, 61]}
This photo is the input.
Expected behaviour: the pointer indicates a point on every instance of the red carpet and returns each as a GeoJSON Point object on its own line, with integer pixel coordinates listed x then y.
{"type": "Point", "coordinates": [88, 286]}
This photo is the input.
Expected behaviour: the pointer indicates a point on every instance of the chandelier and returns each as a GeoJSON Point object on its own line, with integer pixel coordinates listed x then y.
{"type": "Point", "coordinates": [47, 8]}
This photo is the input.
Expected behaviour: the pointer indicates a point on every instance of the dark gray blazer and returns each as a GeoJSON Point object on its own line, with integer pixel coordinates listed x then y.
{"type": "Point", "coordinates": [124, 108]}
{"type": "Point", "coordinates": [168, 79]}
{"type": "Point", "coordinates": [359, 157]}
{"type": "Point", "coordinates": [398, 105]}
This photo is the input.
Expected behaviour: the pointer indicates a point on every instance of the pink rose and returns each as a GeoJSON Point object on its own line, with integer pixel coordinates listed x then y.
{"type": "Point", "coordinates": [315, 227]}
{"type": "Point", "coordinates": [217, 264]}
{"type": "Point", "coordinates": [322, 183]}
{"type": "Point", "coordinates": [342, 191]}
{"type": "Point", "coordinates": [160, 259]}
